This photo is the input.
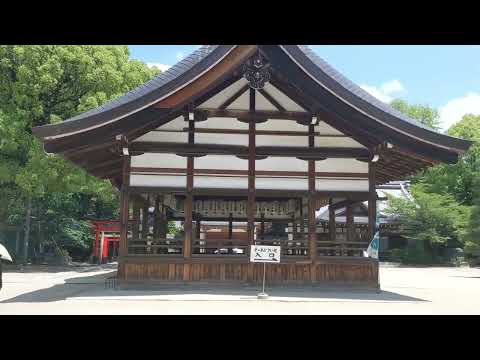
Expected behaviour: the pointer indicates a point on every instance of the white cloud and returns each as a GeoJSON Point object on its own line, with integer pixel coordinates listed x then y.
{"type": "Point", "coordinates": [163, 67]}
{"type": "Point", "coordinates": [386, 91]}
{"type": "Point", "coordinates": [454, 110]}
{"type": "Point", "coordinates": [393, 86]}
{"type": "Point", "coordinates": [180, 55]}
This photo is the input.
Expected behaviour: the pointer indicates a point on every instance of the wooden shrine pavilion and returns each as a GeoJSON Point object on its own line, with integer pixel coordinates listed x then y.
{"type": "Point", "coordinates": [254, 137]}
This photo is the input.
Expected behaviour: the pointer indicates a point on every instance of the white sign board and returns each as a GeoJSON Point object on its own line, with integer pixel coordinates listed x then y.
{"type": "Point", "coordinates": [264, 253]}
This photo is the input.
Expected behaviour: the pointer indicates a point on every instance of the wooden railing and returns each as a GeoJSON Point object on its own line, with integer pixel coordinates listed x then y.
{"type": "Point", "coordinates": [219, 247]}
{"type": "Point", "coordinates": [155, 247]}
{"type": "Point", "coordinates": [227, 247]}
{"type": "Point", "coordinates": [341, 248]}
{"type": "Point", "coordinates": [296, 247]}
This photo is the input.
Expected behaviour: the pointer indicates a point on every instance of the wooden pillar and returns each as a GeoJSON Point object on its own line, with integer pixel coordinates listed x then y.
{"type": "Point", "coordinates": [145, 230]}
{"type": "Point", "coordinates": [350, 223]}
{"type": "Point", "coordinates": [124, 206]}
{"type": "Point", "coordinates": [331, 221]}
{"type": "Point", "coordinates": [230, 226]}
{"type": "Point", "coordinates": [188, 208]}
{"type": "Point", "coordinates": [372, 201]}
{"type": "Point", "coordinates": [197, 229]}
{"type": "Point", "coordinates": [312, 226]}
{"type": "Point", "coordinates": [262, 226]}
{"type": "Point", "coordinates": [251, 172]}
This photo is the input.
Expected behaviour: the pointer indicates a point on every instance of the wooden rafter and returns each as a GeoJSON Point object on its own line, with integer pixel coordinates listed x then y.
{"type": "Point", "coordinates": [271, 100]}
{"type": "Point", "coordinates": [234, 97]}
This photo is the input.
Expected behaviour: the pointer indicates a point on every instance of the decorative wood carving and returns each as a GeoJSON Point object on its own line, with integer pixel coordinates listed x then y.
{"type": "Point", "coordinates": [257, 72]}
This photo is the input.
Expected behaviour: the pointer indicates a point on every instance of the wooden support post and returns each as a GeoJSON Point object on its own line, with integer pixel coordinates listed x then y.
{"type": "Point", "coordinates": [251, 172]}
{"type": "Point", "coordinates": [230, 226]}
{"type": "Point", "coordinates": [197, 229]}
{"type": "Point", "coordinates": [350, 223]}
{"type": "Point", "coordinates": [124, 206]}
{"type": "Point", "coordinates": [145, 228]}
{"type": "Point", "coordinates": [262, 226]}
{"type": "Point", "coordinates": [372, 201]}
{"type": "Point", "coordinates": [312, 226]}
{"type": "Point", "coordinates": [188, 208]}
{"type": "Point", "coordinates": [331, 221]}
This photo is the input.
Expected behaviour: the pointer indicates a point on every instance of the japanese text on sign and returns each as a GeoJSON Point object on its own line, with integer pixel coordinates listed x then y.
{"type": "Point", "coordinates": [264, 253]}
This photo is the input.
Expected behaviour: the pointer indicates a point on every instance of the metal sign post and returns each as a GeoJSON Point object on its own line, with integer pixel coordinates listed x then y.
{"type": "Point", "coordinates": [264, 254]}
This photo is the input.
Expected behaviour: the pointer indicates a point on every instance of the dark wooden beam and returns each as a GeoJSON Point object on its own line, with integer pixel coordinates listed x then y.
{"type": "Point", "coordinates": [258, 115]}
{"type": "Point", "coordinates": [188, 208]}
{"type": "Point", "coordinates": [350, 223]}
{"type": "Point", "coordinates": [272, 173]}
{"type": "Point", "coordinates": [260, 132]}
{"type": "Point", "coordinates": [331, 222]}
{"type": "Point", "coordinates": [372, 201]}
{"type": "Point", "coordinates": [234, 97]}
{"type": "Point", "coordinates": [272, 100]}
{"type": "Point", "coordinates": [312, 225]}
{"type": "Point", "coordinates": [230, 226]}
{"type": "Point", "coordinates": [251, 171]}
{"type": "Point", "coordinates": [124, 205]}
{"type": "Point", "coordinates": [284, 151]}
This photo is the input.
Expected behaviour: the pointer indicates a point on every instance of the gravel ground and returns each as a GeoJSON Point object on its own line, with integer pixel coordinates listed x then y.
{"type": "Point", "coordinates": [80, 290]}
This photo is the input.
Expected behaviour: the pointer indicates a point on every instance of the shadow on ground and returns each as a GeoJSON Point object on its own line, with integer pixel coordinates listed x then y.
{"type": "Point", "coordinates": [25, 269]}
{"type": "Point", "coordinates": [93, 287]}
{"type": "Point", "coordinates": [71, 288]}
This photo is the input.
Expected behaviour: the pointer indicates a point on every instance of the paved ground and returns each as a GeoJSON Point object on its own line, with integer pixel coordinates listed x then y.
{"type": "Point", "coordinates": [81, 290]}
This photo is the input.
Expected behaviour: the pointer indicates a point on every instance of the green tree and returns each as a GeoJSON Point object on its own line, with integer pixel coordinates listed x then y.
{"type": "Point", "coordinates": [433, 221]}
{"type": "Point", "coordinates": [457, 179]}
{"type": "Point", "coordinates": [472, 237]}
{"type": "Point", "coordinates": [423, 113]}
{"type": "Point", "coordinates": [43, 84]}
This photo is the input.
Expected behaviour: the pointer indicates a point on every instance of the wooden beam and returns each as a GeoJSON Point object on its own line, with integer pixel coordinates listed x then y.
{"type": "Point", "coordinates": [283, 151]}
{"type": "Point", "coordinates": [350, 223]}
{"type": "Point", "coordinates": [258, 132]}
{"type": "Point", "coordinates": [312, 226]}
{"type": "Point", "coordinates": [230, 226]}
{"type": "Point", "coordinates": [331, 221]}
{"type": "Point", "coordinates": [251, 171]}
{"type": "Point", "coordinates": [372, 201]}
{"type": "Point", "coordinates": [262, 226]}
{"type": "Point", "coordinates": [271, 100]}
{"type": "Point", "coordinates": [188, 208]}
{"type": "Point", "coordinates": [258, 115]}
{"type": "Point", "coordinates": [234, 97]}
{"type": "Point", "coordinates": [272, 173]}
{"type": "Point", "coordinates": [124, 206]}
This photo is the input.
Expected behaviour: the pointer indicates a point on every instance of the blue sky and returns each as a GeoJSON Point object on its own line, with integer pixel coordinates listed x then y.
{"type": "Point", "coordinates": [445, 77]}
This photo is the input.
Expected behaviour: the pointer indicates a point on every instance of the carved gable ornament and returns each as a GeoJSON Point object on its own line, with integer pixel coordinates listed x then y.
{"type": "Point", "coordinates": [257, 72]}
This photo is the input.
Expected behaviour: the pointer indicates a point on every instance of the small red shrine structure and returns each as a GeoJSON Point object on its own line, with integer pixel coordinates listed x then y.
{"type": "Point", "coordinates": [107, 238]}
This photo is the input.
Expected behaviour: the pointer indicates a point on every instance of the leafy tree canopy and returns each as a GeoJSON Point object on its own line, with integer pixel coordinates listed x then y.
{"type": "Point", "coordinates": [45, 84]}
{"type": "Point", "coordinates": [423, 113]}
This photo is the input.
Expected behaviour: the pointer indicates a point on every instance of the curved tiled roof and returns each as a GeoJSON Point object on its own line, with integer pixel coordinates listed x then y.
{"type": "Point", "coordinates": [204, 57]}
{"type": "Point", "coordinates": [354, 95]}
{"type": "Point", "coordinates": [140, 97]}
{"type": "Point", "coordinates": [161, 79]}
{"type": "Point", "coordinates": [354, 88]}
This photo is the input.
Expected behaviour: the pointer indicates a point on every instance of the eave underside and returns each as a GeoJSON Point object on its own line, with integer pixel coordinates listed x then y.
{"type": "Point", "coordinates": [97, 151]}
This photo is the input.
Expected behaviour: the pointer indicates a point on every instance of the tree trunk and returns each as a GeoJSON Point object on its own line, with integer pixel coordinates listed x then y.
{"type": "Point", "coordinates": [17, 244]}
{"type": "Point", "coordinates": [27, 229]}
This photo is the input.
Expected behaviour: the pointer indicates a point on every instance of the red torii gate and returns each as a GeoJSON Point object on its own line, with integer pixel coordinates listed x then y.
{"type": "Point", "coordinates": [107, 238]}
